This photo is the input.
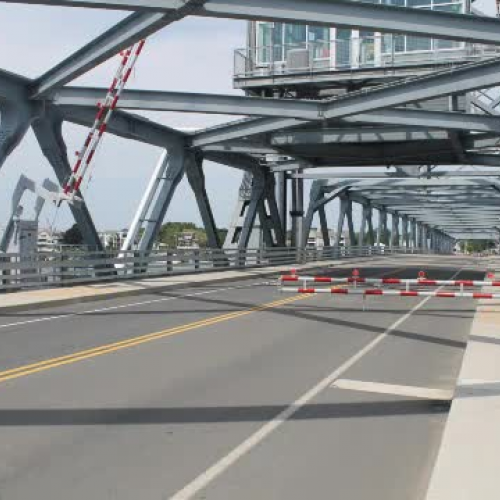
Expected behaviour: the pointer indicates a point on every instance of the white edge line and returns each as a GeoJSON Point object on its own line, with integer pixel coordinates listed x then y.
{"type": "Point", "coordinates": [205, 478]}
{"type": "Point", "coordinates": [133, 304]}
{"type": "Point", "coordinates": [124, 306]}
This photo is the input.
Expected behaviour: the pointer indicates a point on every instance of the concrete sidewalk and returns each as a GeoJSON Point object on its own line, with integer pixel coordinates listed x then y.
{"type": "Point", "coordinates": [468, 464]}
{"type": "Point", "coordinates": [47, 297]}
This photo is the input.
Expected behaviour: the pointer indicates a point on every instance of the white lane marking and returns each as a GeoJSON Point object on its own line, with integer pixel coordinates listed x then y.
{"type": "Point", "coordinates": [410, 391]}
{"type": "Point", "coordinates": [204, 479]}
{"type": "Point", "coordinates": [484, 384]}
{"type": "Point", "coordinates": [133, 304]}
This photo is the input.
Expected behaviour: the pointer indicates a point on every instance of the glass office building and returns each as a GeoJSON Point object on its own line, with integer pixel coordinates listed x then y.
{"type": "Point", "coordinates": [275, 49]}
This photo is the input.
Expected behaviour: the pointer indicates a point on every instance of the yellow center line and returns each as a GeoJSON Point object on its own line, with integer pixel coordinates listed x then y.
{"type": "Point", "coordinates": [40, 366]}
{"type": "Point", "coordinates": [48, 364]}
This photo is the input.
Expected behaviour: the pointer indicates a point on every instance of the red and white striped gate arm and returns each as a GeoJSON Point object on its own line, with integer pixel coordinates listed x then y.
{"type": "Point", "coordinates": [394, 293]}
{"type": "Point", "coordinates": [387, 281]}
{"type": "Point", "coordinates": [104, 113]}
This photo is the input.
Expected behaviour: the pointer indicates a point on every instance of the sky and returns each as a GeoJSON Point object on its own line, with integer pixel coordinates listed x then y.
{"type": "Point", "coordinates": [195, 55]}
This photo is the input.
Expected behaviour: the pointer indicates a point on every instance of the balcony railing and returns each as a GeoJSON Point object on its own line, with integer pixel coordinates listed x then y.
{"type": "Point", "coordinates": [384, 51]}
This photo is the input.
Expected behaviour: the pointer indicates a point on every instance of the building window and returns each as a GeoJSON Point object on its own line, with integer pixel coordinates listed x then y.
{"type": "Point", "coordinates": [275, 40]}
{"type": "Point", "coordinates": [343, 48]}
{"type": "Point", "coordinates": [269, 42]}
{"type": "Point", "coordinates": [319, 39]}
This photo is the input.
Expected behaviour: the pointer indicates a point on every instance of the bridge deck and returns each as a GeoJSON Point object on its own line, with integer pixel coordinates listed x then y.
{"type": "Point", "coordinates": [228, 399]}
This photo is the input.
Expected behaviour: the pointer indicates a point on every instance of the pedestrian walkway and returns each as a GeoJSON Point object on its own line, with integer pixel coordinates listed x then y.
{"type": "Point", "coordinates": [468, 462]}
{"type": "Point", "coordinates": [77, 294]}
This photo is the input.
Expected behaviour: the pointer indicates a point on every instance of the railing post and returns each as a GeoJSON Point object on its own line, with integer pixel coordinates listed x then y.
{"type": "Point", "coordinates": [196, 256]}
{"type": "Point", "coordinates": [241, 253]}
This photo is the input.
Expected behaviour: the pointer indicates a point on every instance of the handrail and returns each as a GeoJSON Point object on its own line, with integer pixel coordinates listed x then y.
{"type": "Point", "coordinates": [71, 268]}
{"type": "Point", "coordinates": [350, 54]}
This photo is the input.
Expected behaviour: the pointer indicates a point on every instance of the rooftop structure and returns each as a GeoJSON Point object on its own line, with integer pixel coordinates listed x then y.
{"type": "Point", "coordinates": [311, 60]}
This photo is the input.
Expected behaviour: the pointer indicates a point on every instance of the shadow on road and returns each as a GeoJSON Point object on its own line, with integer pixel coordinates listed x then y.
{"type": "Point", "coordinates": [218, 414]}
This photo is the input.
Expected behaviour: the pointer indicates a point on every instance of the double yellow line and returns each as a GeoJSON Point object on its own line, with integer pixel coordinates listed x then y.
{"type": "Point", "coordinates": [48, 364]}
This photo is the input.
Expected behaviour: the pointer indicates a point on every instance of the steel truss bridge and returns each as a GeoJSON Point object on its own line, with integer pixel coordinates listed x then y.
{"type": "Point", "coordinates": [429, 196]}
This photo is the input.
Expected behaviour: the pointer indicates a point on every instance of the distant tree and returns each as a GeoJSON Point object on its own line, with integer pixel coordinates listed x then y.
{"type": "Point", "coordinates": [478, 246]}
{"type": "Point", "coordinates": [171, 230]}
{"type": "Point", "coordinates": [222, 234]}
{"type": "Point", "coordinates": [72, 236]}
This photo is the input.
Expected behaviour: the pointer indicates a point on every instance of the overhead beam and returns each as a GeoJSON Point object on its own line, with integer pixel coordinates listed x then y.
{"type": "Point", "coordinates": [12, 86]}
{"type": "Point", "coordinates": [126, 125]}
{"type": "Point", "coordinates": [442, 83]}
{"type": "Point", "coordinates": [127, 32]}
{"type": "Point", "coordinates": [340, 13]}
{"type": "Point", "coordinates": [356, 135]}
{"type": "Point", "coordinates": [428, 119]}
{"type": "Point", "coordinates": [466, 78]}
{"type": "Point", "coordinates": [394, 175]}
{"type": "Point", "coordinates": [150, 100]}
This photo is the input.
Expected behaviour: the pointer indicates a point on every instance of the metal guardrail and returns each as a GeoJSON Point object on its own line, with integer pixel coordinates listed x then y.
{"type": "Point", "coordinates": [71, 268]}
{"type": "Point", "coordinates": [347, 55]}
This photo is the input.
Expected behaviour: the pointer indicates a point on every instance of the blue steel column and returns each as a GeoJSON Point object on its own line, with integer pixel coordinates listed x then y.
{"type": "Point", "coordinates": [174, 173]}
{"type": "Point", "coordinates": [395, 231]}
{"type": "Point", "coordinates": [275, 219]}
{"type": "Point", "coordinates": [344, 202]}
{"type": "Point", "coordinates": [282, 199]}
{"type": "Point", "coordinates": [15, 118]}
{"type": "Point", "coordinates": [382, 227]}
{"type": "Point", "coordinates": [406, 234]}
{"type": "Point", "coordinates": [196, 179]}
{"type": "Point", "coordinates": [362, 225]}
{"type": "Point", "coordinates": [366, 227]}
{"type": "Point", "coordinates": [297, 213]}
{"type": "Point", "coordinates": [350, 224]}
{"type": "Point", "coordinates": [324, 226]}
{"type": "Point", "coordinates": [414, 241]}
{"type": "Point", "coordinates": [48, 131]}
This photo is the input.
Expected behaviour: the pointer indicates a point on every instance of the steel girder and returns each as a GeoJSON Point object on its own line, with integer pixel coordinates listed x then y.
{"type": "Point", "coordinates": [132, 29]}
{"type": "Point", "coordinates": [464, 205]}
{"type": "Point", "coordinates": [396, 175]}
{"type": "Point", "coordinates": [149, 100]}
{"type": "Point", "coordinates": [359, 134]}
{"type": "Point", "coordinates": [340, 13]}
{"type": "Point", "coordinates": [457, 80]}
{"type": "Point", "coordinates": [127, 125]}
{"type": "Point", "coordinates": [190, 102]}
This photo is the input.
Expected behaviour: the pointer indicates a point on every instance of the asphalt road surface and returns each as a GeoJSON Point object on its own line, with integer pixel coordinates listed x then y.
{"type": "Point", "coordinates": [225, 392]}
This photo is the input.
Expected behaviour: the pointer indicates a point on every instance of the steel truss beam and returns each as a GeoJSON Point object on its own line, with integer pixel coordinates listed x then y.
{"type": "Point", "coordinates": [190, 102]}
{"type": "Point", "coordinates": [48, 131]}
{"type": "Point", "coordinates": [132, 29]}
{"type": "Point", "coordinates": [340, 13]}
{"type": "Point", "coordinates": [466, 78]}
{"type": "Point", "coordinates": [396, 175]}
{"type": "Point", "coordinates": [478, 210]}
{"type": "Point", "coordinates": [150, 100]}
{"type": "Point", "coordinates": [126, 125]}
